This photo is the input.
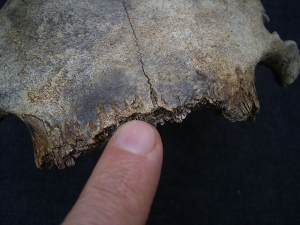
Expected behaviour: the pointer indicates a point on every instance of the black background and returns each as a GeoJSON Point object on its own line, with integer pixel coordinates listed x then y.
{"type": "Point", "coordinates": [214, 171]}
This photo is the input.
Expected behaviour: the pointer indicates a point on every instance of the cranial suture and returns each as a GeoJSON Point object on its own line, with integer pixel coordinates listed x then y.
{"type": "Point", "coordinates": [73, 71]}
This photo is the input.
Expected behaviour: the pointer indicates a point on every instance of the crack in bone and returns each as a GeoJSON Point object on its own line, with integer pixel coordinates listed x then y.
{"type": "Point", "coordinates": [152, 91]}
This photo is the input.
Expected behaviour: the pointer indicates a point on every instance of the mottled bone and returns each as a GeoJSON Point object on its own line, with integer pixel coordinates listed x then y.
{"type": "Point", "coordinates": [73, 71]}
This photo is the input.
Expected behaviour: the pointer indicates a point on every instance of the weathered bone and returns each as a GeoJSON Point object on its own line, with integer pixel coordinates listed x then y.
{"type": "Point", "coordinates": [73, 71]}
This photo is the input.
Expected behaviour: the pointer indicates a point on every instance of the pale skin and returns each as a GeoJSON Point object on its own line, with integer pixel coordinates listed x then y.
{"type": "Point", "coordinates": [122, 185]}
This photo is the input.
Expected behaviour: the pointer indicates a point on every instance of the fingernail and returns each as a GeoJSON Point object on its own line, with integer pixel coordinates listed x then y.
{"type": "Point", "coordinates": [136, 137]}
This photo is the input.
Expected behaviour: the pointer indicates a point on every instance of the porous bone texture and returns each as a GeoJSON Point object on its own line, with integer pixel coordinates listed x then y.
{"type": "Point", "coordinates": [73, 71]}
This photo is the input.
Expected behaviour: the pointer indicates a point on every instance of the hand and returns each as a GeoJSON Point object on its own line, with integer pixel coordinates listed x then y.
{"type": "Point", "coordinates": [123, 184]}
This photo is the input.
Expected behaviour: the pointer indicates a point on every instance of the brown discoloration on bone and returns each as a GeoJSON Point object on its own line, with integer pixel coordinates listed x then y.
{"type": "Point", "coordinates": [75, 72]}
{"type": "Point", "coordinates": [40, 141]}
{"type": "Point", "coordinates": [244, 97]}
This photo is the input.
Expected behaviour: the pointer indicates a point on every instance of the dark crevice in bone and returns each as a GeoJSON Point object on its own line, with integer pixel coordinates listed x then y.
{"type": "Point", "coordinates": [152, 91]}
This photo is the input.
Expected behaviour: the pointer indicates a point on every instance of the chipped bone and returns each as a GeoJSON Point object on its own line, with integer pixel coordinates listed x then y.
{"type": "Point", "coordinates": [74, 72]}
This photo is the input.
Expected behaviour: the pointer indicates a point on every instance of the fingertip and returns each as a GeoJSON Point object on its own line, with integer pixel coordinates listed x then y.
{"type": "Point", "coordinates": [123, 184]}
{"type": "Point", "coordinates": [136, 137]}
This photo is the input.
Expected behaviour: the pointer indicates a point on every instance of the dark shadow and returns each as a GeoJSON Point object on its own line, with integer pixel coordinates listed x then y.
{"type": "Point", "coordinates": [2, 3]}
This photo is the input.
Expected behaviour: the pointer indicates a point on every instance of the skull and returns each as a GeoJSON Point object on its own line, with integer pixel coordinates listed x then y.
{"type": "Point", "coordinates": [73, 72]}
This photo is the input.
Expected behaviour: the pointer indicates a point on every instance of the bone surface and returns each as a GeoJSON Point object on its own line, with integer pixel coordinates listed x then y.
{"type": "Point", "coordinates": [73, 71]}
